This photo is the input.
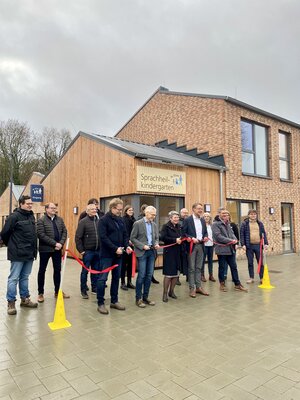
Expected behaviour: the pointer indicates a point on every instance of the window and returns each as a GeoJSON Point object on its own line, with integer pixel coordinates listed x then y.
{"type": "Point", "coordinates": [254, 149]}
{"type": "Point", "coordinates": [284, 155]}
{"type": "Point", "coordinates": [239, 209]}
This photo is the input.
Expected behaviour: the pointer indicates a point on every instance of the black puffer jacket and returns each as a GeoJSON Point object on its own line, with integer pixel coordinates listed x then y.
{"type": "Point", "coordinates": [19, 235]}
{"type": "Point", "coordinates": [86, 237]}
{"type": "Point", "coordinates": [46, 235]}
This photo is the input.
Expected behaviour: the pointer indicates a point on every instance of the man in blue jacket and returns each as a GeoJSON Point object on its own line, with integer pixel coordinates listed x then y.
{"type": "Point", "coordinates": [19, 235]}
{"type": "Point", "coordinates": [113, 241]}
{"type": "Point", "coordinates": [194, 227]}
{"type": "Point", "coordinates": [252, 232]}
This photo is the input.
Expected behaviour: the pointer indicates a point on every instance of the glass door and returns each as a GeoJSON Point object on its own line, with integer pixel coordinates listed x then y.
{"type": "Point", "coordinates": [287, 228]}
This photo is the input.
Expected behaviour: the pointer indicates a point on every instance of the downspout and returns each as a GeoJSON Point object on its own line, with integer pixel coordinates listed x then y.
{"type": "Point", "coordinates": [221, 187]}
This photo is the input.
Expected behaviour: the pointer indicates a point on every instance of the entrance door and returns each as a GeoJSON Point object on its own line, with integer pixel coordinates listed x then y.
{"type": "Point", "coordinates": [287, 228]}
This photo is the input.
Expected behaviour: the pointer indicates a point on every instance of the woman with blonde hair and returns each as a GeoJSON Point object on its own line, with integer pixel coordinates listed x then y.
{"type": "Point", "coordinates": [208, 250]}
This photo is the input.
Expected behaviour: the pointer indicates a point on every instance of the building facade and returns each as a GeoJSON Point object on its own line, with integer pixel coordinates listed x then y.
{"type": "Point", "coordinates": [261, 152]}
{"type": "Point", "coordinates": [101, 167]}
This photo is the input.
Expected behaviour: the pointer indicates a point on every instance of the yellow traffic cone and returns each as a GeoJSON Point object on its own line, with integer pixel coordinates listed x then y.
{"type": "Point", "coordinates": [266, 284]}
{"type": "Point", "coordinates": [60, 320]}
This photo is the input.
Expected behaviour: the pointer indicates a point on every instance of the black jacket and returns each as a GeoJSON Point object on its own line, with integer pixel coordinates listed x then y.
{"type": "Point", "coordinates": [19, 235]}
{"type": "Point", "coordinates": [87, 235]}
{"type": "Point", "coordinates": [171, 255]}
{"type": "Point", "coordinates": [46, 235]}
{"type": "Point", "coordinates": [189, 229]}
{"type": "Point", "coordinates": [112, 233]}
{"type": "Point", "coordinates": [128, 222]}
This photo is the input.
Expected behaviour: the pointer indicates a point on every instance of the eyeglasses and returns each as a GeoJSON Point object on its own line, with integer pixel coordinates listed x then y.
{"type": "Point", "coordinates": [118, 209]}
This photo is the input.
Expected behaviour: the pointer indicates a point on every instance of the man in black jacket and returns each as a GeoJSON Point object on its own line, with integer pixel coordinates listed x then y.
{"type": "Point", "coordinates": [113, 241]}
{"type": "Point", "coordinates": [194, 227]}
{"type": "Point", "coordinates": [52, 234]}
{"type": "Point", "coordinates": [88, 245]}
{"type": "Point", "coordinates": [19, 235]}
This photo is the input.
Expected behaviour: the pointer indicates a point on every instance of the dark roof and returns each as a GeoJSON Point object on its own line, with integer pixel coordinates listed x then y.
{"type": "Point", "coordinates": [229, 99]}
{"type": "Point", "coordinates": [155, 153]}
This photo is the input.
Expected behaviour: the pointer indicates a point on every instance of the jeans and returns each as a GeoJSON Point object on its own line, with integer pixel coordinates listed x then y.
{"type": "Point", "coordinates": [208, 252]}
{"type": "Point", "coordinates": [231, 261]}
{"type": "Point", "coordinates": [91, 258]}
{"type": "Point", "coordinates": [195, 265]}
{"type": "Point", "coordinates": [146, 269]}
{"type": "Point", "coordinates": [56, 261]}
{"type": "Point", "coordinates": [115, 278]}
{"type": "Point", "coordinates": [19, 272]}
{"type": "Point", "coordinates": [254, 249]}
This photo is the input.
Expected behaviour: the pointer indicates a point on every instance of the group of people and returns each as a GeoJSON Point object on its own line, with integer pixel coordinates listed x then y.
{"type": "Point", "coordinates": [107, 241]}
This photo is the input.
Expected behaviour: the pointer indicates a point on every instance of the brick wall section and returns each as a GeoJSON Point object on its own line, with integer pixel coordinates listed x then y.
{"type": "Point", "coordinates": [214, 125]}
{"type": "Point", "coordinates": [184, 119]}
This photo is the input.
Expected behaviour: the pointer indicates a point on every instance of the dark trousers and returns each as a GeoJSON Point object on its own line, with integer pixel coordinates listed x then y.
{"type": "Point", "coordinates": [91, 258]}
{"type": "Point", "coordinates": [208, 253]}
{"type": "Point", "coordinates": [56, 261]}
{"type": "Point", "coordinates": [126, 268]}
{"type": "Point", "coordinates": [231, 261]}
{"type": "Point", "coordinates": [115, 278]}
{"type": "Point", "coordinates": [254, 249]}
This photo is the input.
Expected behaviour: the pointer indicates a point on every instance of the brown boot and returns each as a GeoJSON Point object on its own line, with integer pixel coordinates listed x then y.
{"type": "Point", "coordinates": [211, 278]}
{"type": "Point", "coordinates": [26, 302]}
{"type": "Point", "coordinates": [11, 308]}
{"type": "Point", "coordinates": [203, 279]}
{"type": "Point", "coordinates": [223, 288]}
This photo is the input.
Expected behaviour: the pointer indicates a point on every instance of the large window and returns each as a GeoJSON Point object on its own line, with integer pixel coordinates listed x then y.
{"type": "Point", "coordinates": [284, 155]}
{"type": "Point", "coordinates": [239, 209]}
{"type": "Point", "coordinates": [254, 149]}
{"type": "Point", "coordinates": [163, 204]}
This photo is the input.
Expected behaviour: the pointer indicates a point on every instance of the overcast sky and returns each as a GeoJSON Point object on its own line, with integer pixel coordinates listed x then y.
{"type": "Point", "coordinates": [90, 64]}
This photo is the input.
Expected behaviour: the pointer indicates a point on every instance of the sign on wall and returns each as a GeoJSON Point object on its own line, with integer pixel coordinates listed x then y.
{"type": "Point", "coordinates": [159, 180]}
{"type": "Point", "coordinates": [37, 193]}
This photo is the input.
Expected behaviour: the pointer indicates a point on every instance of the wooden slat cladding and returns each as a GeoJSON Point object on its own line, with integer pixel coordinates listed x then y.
{"type": "Point", "coordinates": [89, 169]}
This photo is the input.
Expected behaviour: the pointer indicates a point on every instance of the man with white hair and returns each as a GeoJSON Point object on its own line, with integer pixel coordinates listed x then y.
{"type": "Point", "coordinates": [144, 236]}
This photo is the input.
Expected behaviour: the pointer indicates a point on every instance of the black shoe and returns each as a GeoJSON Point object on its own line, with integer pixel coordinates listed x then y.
{"type": "Point", "coordinates": [153, 280]}
{"type": "Point", "coordinates": [178, 283]}
{"type": "Point", "coordinates": [124, 287]}
{"type": "Point", "coordinates": [165, 298]}
{"type": "Point", "coordinates": [130, 285]}
{"type": "Point", "coordinates": [173, 295]}
{"type": "Point", "coordinates": [84, 295]}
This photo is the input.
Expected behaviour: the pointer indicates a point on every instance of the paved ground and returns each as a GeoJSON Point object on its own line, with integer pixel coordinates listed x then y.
{"type": "Point", "coordinates": [226, 346]}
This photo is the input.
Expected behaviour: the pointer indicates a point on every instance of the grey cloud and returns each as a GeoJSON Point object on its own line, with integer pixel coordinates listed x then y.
{"type": "Point", "coordinates": [90, 64]}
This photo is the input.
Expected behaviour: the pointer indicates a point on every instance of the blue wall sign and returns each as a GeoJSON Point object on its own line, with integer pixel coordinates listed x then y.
{"type": "Point", "coordinates": [37, 193]}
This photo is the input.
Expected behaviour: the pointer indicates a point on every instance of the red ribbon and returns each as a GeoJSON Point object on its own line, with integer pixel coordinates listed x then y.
{"type": "Point", "coordinates": [161, 247]}
{"type": "Point", "coordinates": [133, 264]}
{"type": "Point", "coordinates": [92, 271]}
{"type": "Point", "coordinates": [260, 254]}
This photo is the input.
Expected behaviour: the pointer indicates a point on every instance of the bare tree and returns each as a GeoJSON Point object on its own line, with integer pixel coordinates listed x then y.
{"type": "Point", "coordinates": [52, 143]}
{"type": "Point", "coordinates": [17, 145]}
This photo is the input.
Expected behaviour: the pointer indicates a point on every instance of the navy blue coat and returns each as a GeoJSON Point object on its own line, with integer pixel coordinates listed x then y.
{"type": "Point", "coordinates": [112, 234]}
{"type": "Point", "coordinates": [189, 229]}
{"type": "Point", "coordinates": [245, 233]}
